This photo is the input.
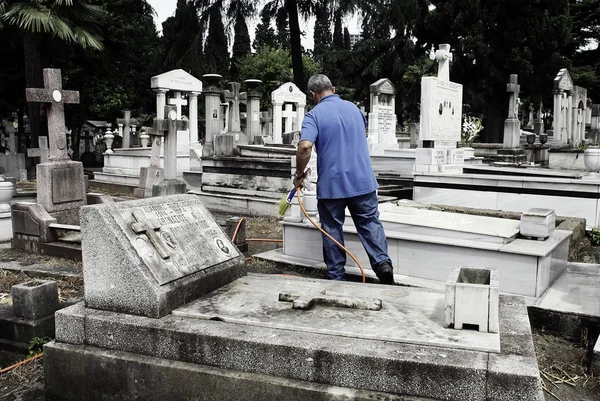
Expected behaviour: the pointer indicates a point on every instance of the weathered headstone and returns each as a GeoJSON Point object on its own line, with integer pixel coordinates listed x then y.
{"type": "Point", "coordinates": [163, 252]}
{"type": "Point", "coordinates": [61, 184]}
{"type": "Point", "coordinates": [127, 128]}
{"type": "Point", "coordinates": [441, 119]}
{"type": "Point", "coordinates": [286, 93]}
{"type": "Point", "coordinates": [382, 118]}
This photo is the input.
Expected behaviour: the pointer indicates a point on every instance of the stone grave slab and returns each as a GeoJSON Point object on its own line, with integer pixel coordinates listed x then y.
{"type": "Point", "coordinates": [150, 256]}
{"type": "Point", "coordinates": [372, 312]}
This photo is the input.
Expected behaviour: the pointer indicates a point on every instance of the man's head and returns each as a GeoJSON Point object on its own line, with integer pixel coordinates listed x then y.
{"type": "Point", "coordinates": [320, 86]}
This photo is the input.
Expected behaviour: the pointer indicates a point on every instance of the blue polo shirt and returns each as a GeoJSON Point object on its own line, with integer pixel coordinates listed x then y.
{"type": "Point", "coordinates": [337, 128]}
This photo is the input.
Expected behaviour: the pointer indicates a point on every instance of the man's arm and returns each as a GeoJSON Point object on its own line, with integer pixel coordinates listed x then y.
{"type": "Point", "coordinates": [302, 159]}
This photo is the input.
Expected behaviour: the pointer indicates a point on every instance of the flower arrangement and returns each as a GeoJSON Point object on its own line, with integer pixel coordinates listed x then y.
{"type": "Point", "coordinates": [470, 130]}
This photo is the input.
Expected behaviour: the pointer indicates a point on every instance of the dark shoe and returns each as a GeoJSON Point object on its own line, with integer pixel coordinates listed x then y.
{"type": "Point", "coordinates": [385, 273]}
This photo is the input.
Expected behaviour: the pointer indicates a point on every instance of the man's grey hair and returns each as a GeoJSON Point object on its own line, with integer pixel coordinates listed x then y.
{"type": "Point", "coordinates": [319, 83]}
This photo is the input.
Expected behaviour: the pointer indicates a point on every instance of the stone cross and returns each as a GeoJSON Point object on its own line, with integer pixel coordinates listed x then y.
{"type": "Point", "coordinates": [126, 122]}
{"type": "Point", "coordinates": [41, 151]}
{"type": "Point", "coordinates": [233, 97]}
{"type": "Point", "coordinates": [288, 115]}
{"type": "Point", "coordinates": [307, 301]}
{"type": "Point", "coordinates": [53, 94]}
{"type": "Point", "coordinates": [513, 88]}
{"type": "Point", "coordinates": [142, 225]}
{"type": "Point", "coordinates": [178, 102]}
{"type": "Point", "coordinates": [168, 127]}
{"type": "Point", "coordinates": [444, 57]}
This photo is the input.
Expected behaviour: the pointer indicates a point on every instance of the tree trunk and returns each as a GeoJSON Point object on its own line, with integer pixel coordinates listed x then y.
{"type": "Point", "coordinates": [295, 45]}
{"type": "Point", "coordinates": [33, 79]}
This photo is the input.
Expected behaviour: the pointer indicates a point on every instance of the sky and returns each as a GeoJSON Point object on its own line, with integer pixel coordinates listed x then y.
{"type": "Point", "coordinates": [166, 9]}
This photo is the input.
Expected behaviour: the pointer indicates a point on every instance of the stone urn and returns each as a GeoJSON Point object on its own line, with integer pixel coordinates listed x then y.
{"type": "Point", "coordinates": [543, 138]}
{"type": "Point", "coordinates": [530, 139]}
{"type": "Point", "coordinates": [144, 137]}
{"type": "Point", "coordinates": [6, 194]}
{"type": "Point", "coordinates": [591, 158]}
{"type": "Point", "coordinates": [108, 140]}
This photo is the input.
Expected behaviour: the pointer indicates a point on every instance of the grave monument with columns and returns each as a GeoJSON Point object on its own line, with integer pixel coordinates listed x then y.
{"type": "Point", "coordinates": [289, 95]}
{"type": "Point", "coordinates": [512, 154]}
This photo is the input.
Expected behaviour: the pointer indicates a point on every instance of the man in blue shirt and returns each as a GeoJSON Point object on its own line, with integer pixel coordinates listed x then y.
{"type": "Point", "coordinates": [337, 129]}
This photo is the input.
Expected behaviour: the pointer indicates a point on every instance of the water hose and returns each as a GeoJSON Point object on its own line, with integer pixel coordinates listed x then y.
{"type": "Point", "coordinates": [296, 192]}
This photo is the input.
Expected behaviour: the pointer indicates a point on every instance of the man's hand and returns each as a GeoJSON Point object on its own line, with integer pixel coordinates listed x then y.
{"type": "Point", "coordinates": [299, 180]}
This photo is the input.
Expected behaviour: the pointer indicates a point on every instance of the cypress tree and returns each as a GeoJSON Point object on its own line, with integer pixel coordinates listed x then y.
{"type": "Point", "coordinates": [322, 36]}
{"type": "Point", "coordinates": [264, 37]}
{"type": "Point", "coordinates": [338, 36]}
{"type": "Point", "coordinates": [283, 32]}
{"type": "Point", "coordinates": [216, 54]}
{"type": "Point", "coordinates": [347, 45]}
{"type": "Point", "coordinates": [241, 44]}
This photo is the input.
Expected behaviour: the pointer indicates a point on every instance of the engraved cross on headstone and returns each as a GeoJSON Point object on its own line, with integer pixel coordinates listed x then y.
{"type": "Point", "coordinates": [307, 301]}
{"type": "Point", "coordinates": [233, 97]}
{"type": "Point", "coordinates": [142, 225]}
{"type": "Point", "coordinates": [513, 88]}
{"type": "Point", "coordinates": [444, 57]}
{"type": "Point", "coordinates": [178, 102]}
{"type": "Point", "coordinates": [56, 97]}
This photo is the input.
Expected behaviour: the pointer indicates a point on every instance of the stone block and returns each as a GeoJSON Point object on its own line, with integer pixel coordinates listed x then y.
{"type": "Point", "coordinates": [61, 186]}
{"type": "Point", "coordinates": [538, 223]}
{"type": "Point", "coordinates": [451, 168]}
{"type": "Point", "coordinates": [149, 176]}
{"type": "Point", "coordinates": [469, 299]}
{"type": "Point", "coordinates": [224, 145]}
{"type": "Point", "coordinates": [70, 324]}
{"type": "Point", "coordinates": [456, 156]}
{"type": "Point", "coordinates": [31, 222]}
{"type": "Point", "coordinates": [150, 256]}
{"type": "Point", "coordinates": [512, 133]}
{"type": "Point", "coordinates": [431, 156]}
{"type": "Point", "coordinates": [35, 299]}
{"type": "Point", "coordinates": [169, 187]}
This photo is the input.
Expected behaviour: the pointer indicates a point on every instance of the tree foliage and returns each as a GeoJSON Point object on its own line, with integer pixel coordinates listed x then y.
{"type": "Point", "coordinates": [274, 68]}
{"type": "Point", "coordinates": [216, 53]}
{"type": "Point", "coordinates": [495, 38]}
{"type": "Point", "coordinates": [182, 39]}
{"type": "Point", "coordinates": [322, 31]}
{"type": "Point", "coordinates": [264, 37]}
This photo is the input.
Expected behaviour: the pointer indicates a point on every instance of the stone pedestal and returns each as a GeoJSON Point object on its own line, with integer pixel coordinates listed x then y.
{"type": "Point", "coordinates": [538, 223]}
{"type": "Point", "coordinates": [169, 187]}
{"type": "Point", "coordinates": [149, 176]}
{"type": "Point", "coordinates": [223, 145]}
{"type": "Point", "coordinates": [512, 157]}
{"type": "Point", "coordinates": [512, 133]}
{"type": "Point", "coordinates": [35, 299]}
{"type": "Point", "coordinates": [60, 186]}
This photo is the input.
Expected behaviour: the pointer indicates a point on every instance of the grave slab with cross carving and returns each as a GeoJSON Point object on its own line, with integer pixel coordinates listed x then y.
{"type": "Point", "coordinates": [148, 256]}
{"type": "Point", "coordinates": [366, 311]}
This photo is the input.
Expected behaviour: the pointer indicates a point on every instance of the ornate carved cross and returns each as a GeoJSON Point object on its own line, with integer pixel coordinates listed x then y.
{"type": "Point", "coordinates": [53, 94]}
{"type": "Point", "coordinates": [513, 88]}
